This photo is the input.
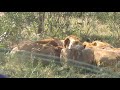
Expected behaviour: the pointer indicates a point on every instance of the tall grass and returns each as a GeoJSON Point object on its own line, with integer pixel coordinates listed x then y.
{"type": "Point", "coordinates": [92, 27]}
{"type": "Point", "coordinates": [19, 66]}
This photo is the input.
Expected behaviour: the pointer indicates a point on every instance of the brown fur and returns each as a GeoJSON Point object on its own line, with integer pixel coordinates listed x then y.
{"type": "Point", "coordinates": [98, 44]}
{"type": "Point", "coordinates": [101, 44]}
{"type": "Point", "coordinates": [72, 49]}
{"type": "Point", "coordinates": [88, 56]}
{"type": "Point", "coordinates": [67, 54]}
{"type": "Point", "coordinates": [51, 41]}
{"type": "Point", "coordinates": [105, 57]}
{"type": "Point", "coordinates": [104, 53]}
{"type": "Point", "coordinates": [84, 55]}
{"type": "Point", "coordinates": [45, 49]}
{"type": "Point", "coordinates": [87, 45]}
{"type": "Point", "coordinates": [71, 42]}
{"type": "Point", "coordinates": [50, 52]}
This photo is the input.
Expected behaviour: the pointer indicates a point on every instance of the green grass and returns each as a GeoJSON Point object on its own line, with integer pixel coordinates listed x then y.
{"type": "Point", "coordinates": [20, 66]}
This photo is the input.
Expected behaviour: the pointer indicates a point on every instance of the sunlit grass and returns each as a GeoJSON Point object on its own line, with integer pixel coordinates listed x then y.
{"type": "Point", "coordinates": [17, 68]}
{"type": "Point", "coordinates": [20, 66]}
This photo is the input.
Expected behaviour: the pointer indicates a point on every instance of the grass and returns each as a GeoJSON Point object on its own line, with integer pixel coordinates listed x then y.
{"type": "Point", "coordinates": [20, 66]}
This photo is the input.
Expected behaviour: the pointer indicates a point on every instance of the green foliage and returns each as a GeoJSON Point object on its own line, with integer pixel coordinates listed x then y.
{"type": "Point", "coordinates": [21, 26]}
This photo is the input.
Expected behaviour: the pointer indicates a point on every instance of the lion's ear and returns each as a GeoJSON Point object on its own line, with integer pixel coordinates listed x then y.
{"type": "Point", "coordinates": [66, 42]}
{"type": "Point", "coordinates": [94, 44]}
{"type": "Point", "coordinates": [84, 46]}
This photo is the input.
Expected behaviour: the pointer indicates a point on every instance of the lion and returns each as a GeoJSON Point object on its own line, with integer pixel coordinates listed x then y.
{"type": "Point", "coordinates": [51, 41]}
{"type": "Point", "coordinates": [105, 57]}
{"type": "Point", "coordinates": [44, 50]}
{"type": "Point", "coordinates": [72, 42]}
{"type": "Point", "coordinates": [98, 44]}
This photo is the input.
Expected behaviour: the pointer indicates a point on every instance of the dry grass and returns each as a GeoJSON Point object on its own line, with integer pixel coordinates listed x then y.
{"type": "Point", "coordinates": [20, 67]}
{"type": "Point", "coordinates": [91, 28]}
